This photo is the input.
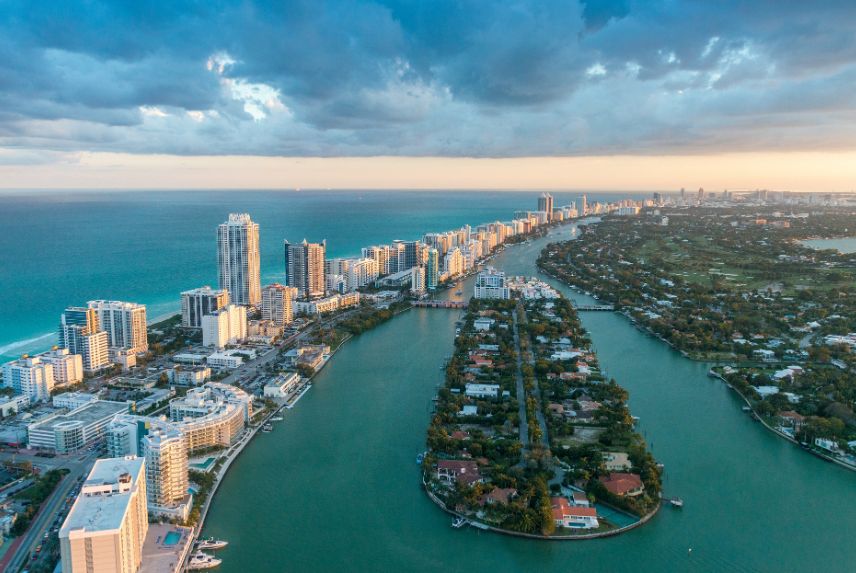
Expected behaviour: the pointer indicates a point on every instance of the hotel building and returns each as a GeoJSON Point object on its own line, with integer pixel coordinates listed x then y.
{"type": "Point", "coordinates": [80, 333]}
{"type": "Point", "coordinates": [67, 367]}
{"type": "Point", "coordinates": [106, 527]}
{"type": "Point", "coordinates": [199, 302]}
{"type": "Point", "coordinates": [30, 377]}
{"type": "Point", "coordinates": [238, 259]}
{"type": "Point", "coordinates": [124, 323]}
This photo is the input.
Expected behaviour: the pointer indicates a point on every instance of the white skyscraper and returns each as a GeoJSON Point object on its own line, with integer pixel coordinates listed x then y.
{"type": "Point", "coordinates": [238, 259]}
{"type": "Point", "coordinates": [106, 527]}
{"type": "Point", "coordinates": [198, 302]}
{"type": "Point", "coordinates": [490, 283]}
{"type": "Point", "coordinates": [165, 451]}
{"type": "Point", "coordinates": [124, 323]}
{"type": "Point", "coordinates": [30, 377]}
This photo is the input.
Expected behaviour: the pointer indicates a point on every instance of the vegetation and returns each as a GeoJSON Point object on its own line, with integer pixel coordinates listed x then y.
{"type": "Point", "coordinates": [737, 286]}
{"type": "Point", "coordinates": [36, 494]}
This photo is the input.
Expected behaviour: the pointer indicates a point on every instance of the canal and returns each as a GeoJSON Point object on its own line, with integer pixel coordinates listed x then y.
{"type": "Point", "coordinates": [335, 486]}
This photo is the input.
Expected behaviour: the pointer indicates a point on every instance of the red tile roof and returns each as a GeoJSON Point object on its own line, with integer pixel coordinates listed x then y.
{"type": "Point", "coordinates": [621, 483]}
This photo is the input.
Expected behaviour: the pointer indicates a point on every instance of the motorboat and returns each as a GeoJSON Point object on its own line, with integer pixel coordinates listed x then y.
{"type": "Point", "coordinates": [199, 561]}
{"type": "Point", "coordinates": [211, 543]}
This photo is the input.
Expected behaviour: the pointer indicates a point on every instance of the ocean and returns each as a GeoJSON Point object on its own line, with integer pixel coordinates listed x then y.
{"type": "Point", "coordinates": [63, 248]}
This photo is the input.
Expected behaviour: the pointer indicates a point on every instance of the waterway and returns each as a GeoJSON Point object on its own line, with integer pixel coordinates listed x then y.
{"type": "Point", "coordinates": [336, 488]}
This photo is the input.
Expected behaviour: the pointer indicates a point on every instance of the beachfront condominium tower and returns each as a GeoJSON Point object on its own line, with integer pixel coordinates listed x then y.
{"type": "Point", "coordinates": [30, 377]}
{"type": "Point", "coordinates": [276, 304]}
{"type": "Point", "coordinates": [165, 450]}
{"type": "Point", "coordinates": [81, 334]}
{"type": "Point", "coordinates": [432, 269]}
{"type": "Point", "coordinates": [107, 525]}
{"type": "Point", "coordinates": [198, 302]}
{"type": "Point", "coordinates": [410, 254]}
{"type": "Point", "coordinates": [545, 204]}
{"type": "Point", "coordinates": [238, 259]}
{"type": "Point", "coordinates": [305, 268]}
{"type": "Point", "coordinates": [583, 206]}
{"type": "Point", "coordinates": [124, 323]}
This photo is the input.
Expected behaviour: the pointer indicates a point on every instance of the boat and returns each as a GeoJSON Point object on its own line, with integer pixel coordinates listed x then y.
{"type": "Point", "coordinates": [199, 561]}
{"type": "Point", "coordinates": [267, 428]}
{"type": "Point", "coordinates": [747, 409]}
{"type": "Point", "coordinates": [459, 523]}
{"type": "Point", "coordinates": [211, 543]}
{"type": "Point", "coordinates": [419, 458]}
{"type": "Point", "coordinates": [479, 525]}
{"type": "Point", "coordinates": [677, 502]}
{"type": "Point", "coordinates": [277, 419]}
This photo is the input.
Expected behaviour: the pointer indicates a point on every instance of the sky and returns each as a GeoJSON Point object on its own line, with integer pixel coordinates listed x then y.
{"type": "Point", "coordinates": [592, 94]}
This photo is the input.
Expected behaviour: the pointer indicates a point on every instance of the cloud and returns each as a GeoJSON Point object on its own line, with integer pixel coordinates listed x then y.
{"type": "Point", "coordinates": [491, 78]}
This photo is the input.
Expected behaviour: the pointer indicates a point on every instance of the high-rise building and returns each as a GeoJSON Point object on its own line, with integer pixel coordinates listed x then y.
{"type": "Point", "coordinates": [165, 451]}
{"type": "Point", "coordinates": [276, 304]}
{"type": "Point", "coordinates": [432, 269]}
{"type": "Point", "coordinates": [124, 323]}
{"type": "Point", "coordinates": [225, 326]}
{"type": "Point", "coordinates": [583, 206]}
{"type": "Point", "coordinates": [417, 280]}
{"type": "Point", "coordinates": [198, 302]}
{"type": "Point", "coordinates": [410, 254]}
{"type": "Point", "coordinates": [453, 263]}
{"type": "Point", "coordinates": [238, 259]}
{"type": "Point", "coordinates": [30, 377]}
{"type": "Point", "coordinates": [67, 367]}
{"type": "Point", "coordinates": [305, 268]}
{"type": "Point", "coordinates": [490, 283]}
{"type": "Point", "coordinates": [361, 272]}
{"type": "Point", "coordinates": [545, 204]}
{"type": "Point", "coordinates": [106, 527]}
{"type": "Point", "coordinates": [80, 333]}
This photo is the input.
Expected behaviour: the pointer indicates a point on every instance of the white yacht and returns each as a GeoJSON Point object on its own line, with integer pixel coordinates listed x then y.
{"type": "Point", "coordinates": [199, 561]}
{"type": "Point", "coordinates": [211, 543]}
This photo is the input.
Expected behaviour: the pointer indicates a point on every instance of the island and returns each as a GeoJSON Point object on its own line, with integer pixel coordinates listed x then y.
{"type": "Point", "coordinates": [528, 437]}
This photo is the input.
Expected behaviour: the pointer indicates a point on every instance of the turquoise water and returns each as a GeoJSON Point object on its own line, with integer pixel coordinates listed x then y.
{"type": "Point", "coordinates": [842, 244]}
{"type": "Point", "coordinates": [172, 538]}
{"type": "Point", "coordinates": [338, 490]}
{"type": "Point", "coordinates": [64, 248]}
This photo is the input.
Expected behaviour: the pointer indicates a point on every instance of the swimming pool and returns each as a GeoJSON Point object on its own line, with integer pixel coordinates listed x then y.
{"type": "Point", "coordinates": [172, 538]}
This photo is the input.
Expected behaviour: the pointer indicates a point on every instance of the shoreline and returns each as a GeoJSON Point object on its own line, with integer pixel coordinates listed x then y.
{"type": "Point", "coordinates": [582, 537]}
{"type": "Point", "coordinates": [645, 330]}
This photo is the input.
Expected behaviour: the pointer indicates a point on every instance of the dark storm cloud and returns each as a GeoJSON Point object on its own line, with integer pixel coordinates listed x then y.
{"type": "Point", "coordinates": [444, 77]}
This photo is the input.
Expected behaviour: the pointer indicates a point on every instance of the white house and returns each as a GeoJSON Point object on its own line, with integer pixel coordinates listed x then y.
{"type": "Point", "coordinates": [482, 390]}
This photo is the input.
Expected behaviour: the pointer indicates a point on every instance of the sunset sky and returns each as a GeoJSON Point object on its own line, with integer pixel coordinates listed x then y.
{"type": "Point", "coordinates": [340, 94]}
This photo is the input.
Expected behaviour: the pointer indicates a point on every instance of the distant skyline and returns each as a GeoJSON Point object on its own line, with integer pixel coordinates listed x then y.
{"type": "Point", "coordinates": [624, 94]}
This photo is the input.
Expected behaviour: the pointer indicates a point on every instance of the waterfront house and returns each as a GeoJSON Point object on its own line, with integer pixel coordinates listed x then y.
{"type": "Point", "coordinates": [469, 410]}
{"type": "Point", "coordinates": [465, 472]}
{"type": "Point", "coordinates": [482, 390]}
{"type": "Point", "coordinates": [498, 496]}
{"type": "Point", "coordinates": [483, 324]}
{"type": "Point", "coordinates": [623, 484]}
{"type": "Point", "coordinates": [792, 419]}
{"type": "Point", "coordinates": [580, 499]}
{"type": "Point", "coordinates": [576, 516]}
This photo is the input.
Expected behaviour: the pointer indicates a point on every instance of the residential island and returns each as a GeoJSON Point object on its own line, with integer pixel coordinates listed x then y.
{"type": "Point", "coordinates": [528, 436]}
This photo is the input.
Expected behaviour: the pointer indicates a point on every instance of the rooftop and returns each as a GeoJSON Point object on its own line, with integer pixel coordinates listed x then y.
{"type": "Point", "coordinates": [104, 508]}
{"type": "Point", "coordinates": [87, 414]}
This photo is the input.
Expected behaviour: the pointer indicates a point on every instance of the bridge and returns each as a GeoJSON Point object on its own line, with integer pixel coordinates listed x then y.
{"type": "Point", "coordinates": [604, 307]}
{"type": "Point", "coordinates": [440, 304]}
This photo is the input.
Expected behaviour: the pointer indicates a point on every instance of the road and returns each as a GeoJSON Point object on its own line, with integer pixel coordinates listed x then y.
{"type": "Point", "coordinates": [521, 394]}
{"type": "Point", "coordinates": [48, 512]}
